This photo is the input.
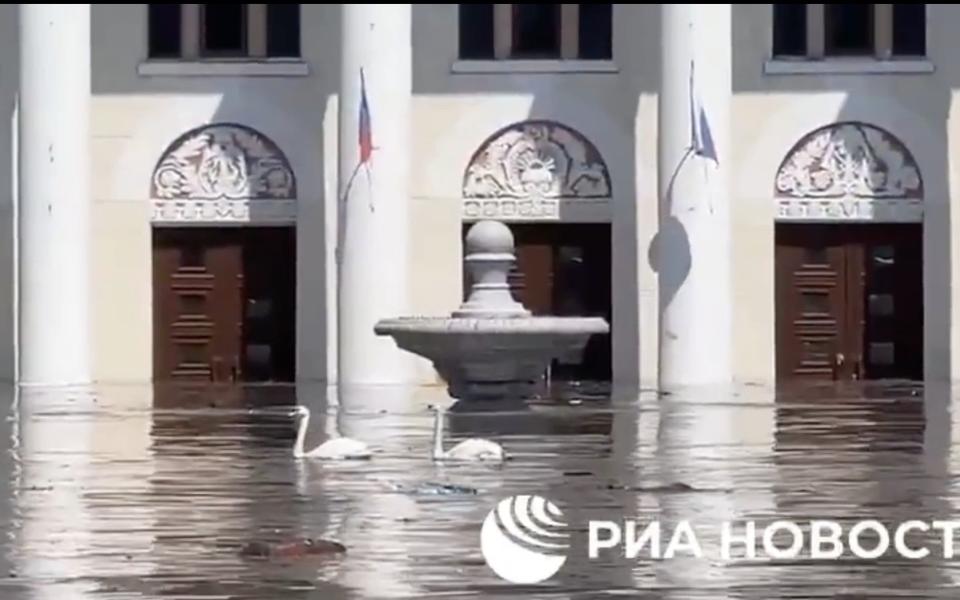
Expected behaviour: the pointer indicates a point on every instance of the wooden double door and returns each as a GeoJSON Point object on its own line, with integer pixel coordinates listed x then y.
{"type": "Point", "coordinates": [224, 304]}
{"type": "Point", "coordinates": [849, 302]}
{"type": "Point", "coordinates": [563, 269]}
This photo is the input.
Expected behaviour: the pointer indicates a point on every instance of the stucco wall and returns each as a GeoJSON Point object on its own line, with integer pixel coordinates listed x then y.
{"type": "Point", "coordinates": [136, 117]}
{"type": "Point", "coordinates": [772, 113]}
{"type": "Point", "coordinates": [456, 112]}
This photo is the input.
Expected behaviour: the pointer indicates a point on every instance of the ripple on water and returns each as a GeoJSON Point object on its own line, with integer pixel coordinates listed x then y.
{"type": "Point", "coordinates": [140, 493]}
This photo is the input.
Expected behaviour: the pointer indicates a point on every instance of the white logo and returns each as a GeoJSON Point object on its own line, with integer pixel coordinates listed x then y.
{"type": "Point", "coordinates": [520, 539]}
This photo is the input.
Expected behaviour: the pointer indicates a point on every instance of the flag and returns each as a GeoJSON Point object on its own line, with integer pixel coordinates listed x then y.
{"type": "Point", "coordinates": [365, 132]}
{"type": "Point", "coordinates": [701, 138]}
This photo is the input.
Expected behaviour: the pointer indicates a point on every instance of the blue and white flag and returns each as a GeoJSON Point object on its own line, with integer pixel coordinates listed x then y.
{"type": "Point", "coordinates": [701, 138]}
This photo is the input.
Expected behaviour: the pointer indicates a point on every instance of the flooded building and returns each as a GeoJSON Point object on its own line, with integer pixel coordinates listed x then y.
{"type": "Point", "coordinates": [239, 192]}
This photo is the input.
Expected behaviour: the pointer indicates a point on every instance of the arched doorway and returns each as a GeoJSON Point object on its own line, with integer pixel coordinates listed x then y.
{"type": "Point", "coordinates": [849, 257]}
{"type": "Point", "coordinates": [224, 258]}
{"type": "Point", "coordinates": [552, 186]}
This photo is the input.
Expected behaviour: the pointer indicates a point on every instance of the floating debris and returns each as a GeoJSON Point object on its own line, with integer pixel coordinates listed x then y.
{"type": "Point", "coordinates": [431, 488]}
{"type": "Point", "coordinates": [292, 549]}
{"type": "Point", "coordinates": [672, 488]}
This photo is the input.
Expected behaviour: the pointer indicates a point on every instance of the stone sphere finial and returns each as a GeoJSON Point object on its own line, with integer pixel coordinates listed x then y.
{"type": "Point", "coordinates": [489, 237]}
{"type": "Point", "coordinates": [489, 256]}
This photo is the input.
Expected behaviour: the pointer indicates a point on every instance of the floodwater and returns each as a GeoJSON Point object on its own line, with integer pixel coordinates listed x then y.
{"type": "Point", "coordinates": [148, 493]}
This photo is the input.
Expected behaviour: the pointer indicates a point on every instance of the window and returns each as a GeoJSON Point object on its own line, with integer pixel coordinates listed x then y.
{"type": "Point", "coordinates": [223, 31]}
{"type": "Point", "coordinates": [909, 29]}
{"type": "Point", "coordinates": [536, 31]}
{"type": "Point", "coordinates": [848, 29]}
{"type": "Point", "coordinates": [881, 31]}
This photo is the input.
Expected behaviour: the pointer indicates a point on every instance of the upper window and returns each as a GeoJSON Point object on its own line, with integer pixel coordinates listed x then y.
{"type": "Point", "coordinates": [224, 31]}
{"type": "Point", "coordinates": [535, 31]}
{"type": "Point", "coordinates": [849, 30]}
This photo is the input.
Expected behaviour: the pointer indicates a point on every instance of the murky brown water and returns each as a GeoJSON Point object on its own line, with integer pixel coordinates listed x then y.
{"type": "Point", "coordinates": [136, 493]}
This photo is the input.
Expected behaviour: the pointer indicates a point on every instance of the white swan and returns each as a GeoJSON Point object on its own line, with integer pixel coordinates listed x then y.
{"type": "Point", "coordinates": [474, 449]}
{"type": "Point", "coordinates": [335, 448]}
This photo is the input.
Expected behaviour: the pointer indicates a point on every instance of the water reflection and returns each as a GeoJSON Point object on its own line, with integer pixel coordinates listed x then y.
{"type": "Point", "coordinates": [150, 493]}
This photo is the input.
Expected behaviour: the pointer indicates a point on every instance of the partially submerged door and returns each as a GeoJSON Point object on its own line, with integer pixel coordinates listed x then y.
{"type": "Point", "coordinates": [197, 305]}
{"type": "Point", "coordinates": [224, 304]}
{"type": "Point", "coordinates": [849, 302]}
{"type": "Point", "coordinates": [812, 302]}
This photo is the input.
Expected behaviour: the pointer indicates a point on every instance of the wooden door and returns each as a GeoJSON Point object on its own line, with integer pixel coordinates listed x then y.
{"type": "Point", "coordinates": [849, 302]}
{"type": "Point", "coordinates": [269, 305]}
{"type": "Point", "coordinates": [891, 260]}
{"type": "Point", "coordinates": [224, 304]}
{"type": "Point", "coordinates": [197, 310]}
{"type": "Point", "coordinates": [582, 287]}
{"type": "Point", "coordinates": [531, 278]}
{"type": "Point", "coordinates": [812, 300]}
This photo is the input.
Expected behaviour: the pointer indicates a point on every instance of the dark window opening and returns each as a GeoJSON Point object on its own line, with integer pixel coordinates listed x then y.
{"type": "Point", "coordinates": [476, 31]}
{"type": "Point", "coordinates": [789, 29]}
{"type": "Point", "coordinates": [536, 31]}
{"type": "Point", "coordinates": [283, 30]}
{"type": "Point", "coordinates": [224, 29]}
{"type": "Point", "coordinates": [849, 29]}
{"type": "Point", "coordinates": [164, 30]}
{"type": "Point", "coordinates": [909, 29]}
{"type": "Point", "coordinates": [595, 31]}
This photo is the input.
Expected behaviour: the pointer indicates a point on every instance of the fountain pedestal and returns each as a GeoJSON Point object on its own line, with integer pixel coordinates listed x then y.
{"type": "Point", "coordinates": [492, 348]}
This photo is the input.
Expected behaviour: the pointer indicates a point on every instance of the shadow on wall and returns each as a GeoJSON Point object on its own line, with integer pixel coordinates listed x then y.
{"type": "Point", "coordinates": [671, 241]}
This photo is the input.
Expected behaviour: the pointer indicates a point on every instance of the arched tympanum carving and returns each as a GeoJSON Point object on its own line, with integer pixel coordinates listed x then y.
{"type": "Point", "coordinates": [223, 172]}
{"type": "Point", "coordinates": [849, 171]}
{"type": "Point", "coordinates": [527, 168]}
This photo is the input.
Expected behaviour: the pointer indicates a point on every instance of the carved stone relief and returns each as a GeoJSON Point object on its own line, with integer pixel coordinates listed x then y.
{"type": "Point", "coordinates": [528, 169]}
{"type": "Point", "coordinates": [223, 172]}
{"type": "Point", "coordinates": [850, 159]}
{"type": "Point", "coordinates": [850, 164]}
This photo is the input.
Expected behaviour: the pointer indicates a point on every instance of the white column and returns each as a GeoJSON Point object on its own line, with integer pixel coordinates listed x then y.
{"type": "Point", "coordinates": [54, 194]}
{"type": "Point", "coordinates": [374, 195]}
{"type": "Point", "coordinates": [694, 238]}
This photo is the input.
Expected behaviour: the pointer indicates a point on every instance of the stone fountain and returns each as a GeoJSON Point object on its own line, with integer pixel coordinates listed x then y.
{"type": "Point", "coordinates": [492, 348]}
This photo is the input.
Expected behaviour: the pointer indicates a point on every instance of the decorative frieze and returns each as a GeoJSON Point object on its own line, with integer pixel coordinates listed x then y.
{"type": "Point", "coordinates": [223, 173]}
{"type": "Point", "coordinates": [875, 210]}
{"type": "Point", "coordinates": [849, 172]}
{"type": "Point", "coordinates": [527, 170]}
{"type": "Point", "coordinates": [225, 211]}
{"type": "Point", "coordinates": [508, 208]}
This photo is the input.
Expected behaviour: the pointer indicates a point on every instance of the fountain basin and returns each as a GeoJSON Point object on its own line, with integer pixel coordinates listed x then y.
{"type": "Point", "coordinates": [489, 357]}
{"type": "Point", "coordinates": [492, 348]}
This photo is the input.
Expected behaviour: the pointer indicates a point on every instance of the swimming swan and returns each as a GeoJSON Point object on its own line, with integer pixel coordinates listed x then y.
{"type": "Point", "coordinates": [473, 449]}
{"type": "Point", "coordinates": [335, 448]}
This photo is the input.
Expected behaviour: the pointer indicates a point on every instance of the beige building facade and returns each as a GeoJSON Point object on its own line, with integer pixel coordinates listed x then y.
{"type": "Point", "coordinates": [839, 161]}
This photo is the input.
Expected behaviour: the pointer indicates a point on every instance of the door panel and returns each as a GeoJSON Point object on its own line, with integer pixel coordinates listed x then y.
{"type": "Point", "coordinates": [196, 303]}
{"type": "Point", "coordinates": [224, 304]}
{"type": "Point", "coordinates": [269, 321]}
{"type": "Point", "coordinates": [853, 292]}
{"type": "Point", "coordinates": [811, 299]}
{"type": "Point", "coordinates": [892, 311]}
{"type": "Point", "coordinates": [531, 278]}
